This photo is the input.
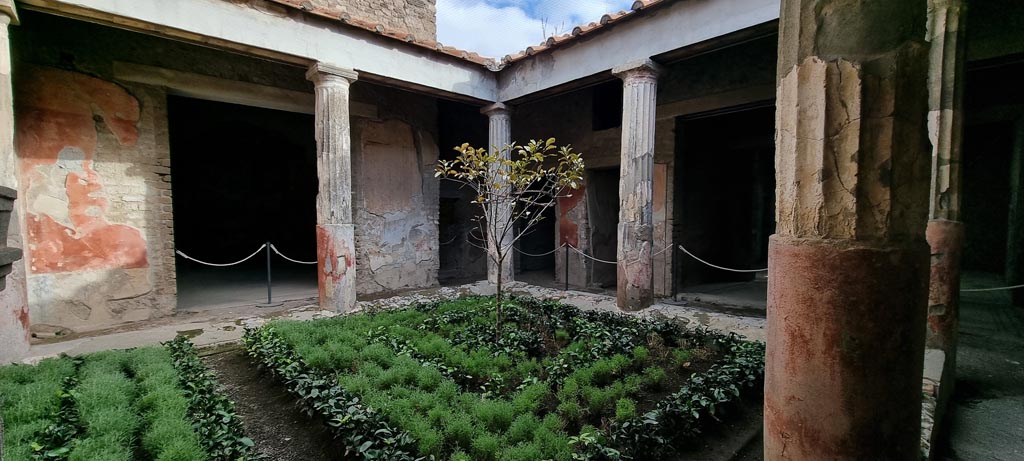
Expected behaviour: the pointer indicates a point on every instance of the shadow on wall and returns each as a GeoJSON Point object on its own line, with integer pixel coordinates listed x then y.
{"type": "Point", "coordinates": [94, 176]}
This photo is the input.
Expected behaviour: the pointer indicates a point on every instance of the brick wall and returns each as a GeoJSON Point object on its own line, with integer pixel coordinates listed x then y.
{"type": "Point", "coordinates": [418, 17]}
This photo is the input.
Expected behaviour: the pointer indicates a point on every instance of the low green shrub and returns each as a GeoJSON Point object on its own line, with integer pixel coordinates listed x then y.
{"type": "Point", "coordinates": [433, 381]}
{"type": "Point", "coordinates": [212, 413]}
{"type": "Point", "coordinates": [108, 406]}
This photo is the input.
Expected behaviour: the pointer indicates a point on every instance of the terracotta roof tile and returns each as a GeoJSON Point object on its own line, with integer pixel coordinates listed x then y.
{"type": "Point", "coordinates": [605, 22]}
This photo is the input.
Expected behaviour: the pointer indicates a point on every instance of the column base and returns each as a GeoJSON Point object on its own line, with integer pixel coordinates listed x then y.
{"type": "Point", "coordinates": [946, 239]}
{"type": "Point", "coordinates": [635, 269]}
{"type": "Point", "coordinates": [845, 349]}
{"type": "Point", "coordinates": [336, 271]}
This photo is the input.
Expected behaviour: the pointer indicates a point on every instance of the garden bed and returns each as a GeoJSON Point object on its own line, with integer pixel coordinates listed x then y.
{"type": "Point", "coordinates": [559, 383]}
{"type": "Point", "coordinates": [154, 403]}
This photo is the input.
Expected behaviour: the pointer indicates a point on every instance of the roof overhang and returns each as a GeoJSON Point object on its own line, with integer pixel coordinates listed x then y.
{"type": "Point", "coordinates": [287, 37]}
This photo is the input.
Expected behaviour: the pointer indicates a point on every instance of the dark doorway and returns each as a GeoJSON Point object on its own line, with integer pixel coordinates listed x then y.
{"type": "Point", "coordinates": [603, 215]}
{"type": "Point", "coordinates": [462, 259]}
{"type": "Point", "coordinates": [992, 201]}
{"type": "Point", "coordinates": [242, 176]}
{"type": "Point", "coordinates": [536, 257]}
{"type": "Point", "coordinates": [725, 193]}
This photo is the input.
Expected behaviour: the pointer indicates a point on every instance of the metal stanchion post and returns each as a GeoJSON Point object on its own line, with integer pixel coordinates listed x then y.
{"type": "Point", "coordinates": [566, 267]}
{"type": "Point", "coordinates": [270, 302]}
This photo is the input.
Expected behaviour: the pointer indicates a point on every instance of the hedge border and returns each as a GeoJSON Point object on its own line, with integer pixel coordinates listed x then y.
{"type": "Point", "coordinates": [213, 414]}
{"type": "Point", "coordinates": [363, 431]}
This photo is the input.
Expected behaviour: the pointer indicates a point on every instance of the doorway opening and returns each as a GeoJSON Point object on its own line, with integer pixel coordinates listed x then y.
{"type": "Point", "coordinates": [535, 256]}
{"type": "Point", "coordinates": [603, 216]}
{"type": "Point", "coordinates": [725, 195]}
{"type": "Point", "coordinates": [242, 176]}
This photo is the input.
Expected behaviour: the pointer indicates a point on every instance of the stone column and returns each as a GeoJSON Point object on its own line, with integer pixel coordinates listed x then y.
{"type": "Point", "coordinates": [945, 128]}
{"type": "Point", "coordinates": [14, 318]}
{"type": "Point", "coordinates": [1015, 219]}
{"type": "Point", "coordinates": [335, 239]}
{"type": "Point", "coordinates": [499, 135]}
{"type": "Point", "coordinates": [849, 263]}
{"type": "Point", "coordinates": [635, 288]}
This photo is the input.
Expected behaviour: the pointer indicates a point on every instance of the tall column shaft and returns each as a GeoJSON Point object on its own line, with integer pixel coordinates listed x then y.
{"type": "Point", "coordinates": [14, 317]}
{"type": "Point", "coordinates": [1015, 227]}
{"type": "Point", "coordinates": [945, 129]}
{"type": "Point", "coordinates": [635, 287]}
{"type": "Point", "coordinates": [848, 266]}
{"type": "Point", "coordinates": [499, 136]}
{"type": "Point", "coordinates": [335, 237]}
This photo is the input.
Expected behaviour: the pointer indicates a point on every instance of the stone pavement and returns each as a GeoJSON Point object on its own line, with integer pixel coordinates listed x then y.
{"type": "Point", "coordinates": [986, 415]}
{"type": "Point", "coordinates": [219, 327]}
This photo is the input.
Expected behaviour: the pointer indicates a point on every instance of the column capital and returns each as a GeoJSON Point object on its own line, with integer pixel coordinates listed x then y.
{"type": "Point", "coordinates": [322, 72]}
{"type": "Point", "coordinates": [496, 109]}
{"type": "Point", "coordinates": [642, 69]}
{"type": "Point", "coordinates": [8, 10]}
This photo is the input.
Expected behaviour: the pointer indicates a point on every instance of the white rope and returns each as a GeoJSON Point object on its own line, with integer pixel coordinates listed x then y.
{"type": "Point", "coordinates": [272, 247]}
{"type": "Point", "coordinates": [450, 241]}
{"type": "Point", "coordinates": [616, 262]}
{"type": "Point", "coordinates": [591, 257]}
{"type": "Point", "coordinates": [720, 267]}
{"type": "Point", "coordinates": [258, 250]}
{"type": "Point", "coordinates": [1013, 287]}
{"type": "Point", "coordinates": [540, 255]}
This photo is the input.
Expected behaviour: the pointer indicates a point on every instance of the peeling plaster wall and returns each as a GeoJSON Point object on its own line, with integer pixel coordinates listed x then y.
{"type": "Point", "coordinates": [92, 173]}
{"type": "Point", "coordinates": [395, 193]}
{"type": "Point", "coordinates": [94, 168]}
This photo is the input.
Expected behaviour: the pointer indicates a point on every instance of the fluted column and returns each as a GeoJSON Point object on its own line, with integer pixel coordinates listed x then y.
{"type": "Point", "coordinates": [335, 239]}
{"type": "Point", "coordinates": [14, 316]}
{"type": "Point", "coordinates": [848, 266]}
{"type": "Point", "coordinates": [945, 129]}
{"type": "Point", "coordinates": [635, 288]}
{"type": "Point", "coordinates": [499, 136]}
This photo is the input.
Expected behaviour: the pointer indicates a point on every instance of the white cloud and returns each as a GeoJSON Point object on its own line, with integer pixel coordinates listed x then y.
{"type": "Point", "coordinates": [488, 30]}
{"type": "Point", "coordinates": [499, 27]}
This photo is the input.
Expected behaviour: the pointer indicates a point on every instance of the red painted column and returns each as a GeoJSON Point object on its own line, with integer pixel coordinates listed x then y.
{"type": "Point", "coordinates": [335, 235]}
{"type": "Point", "coordinates": [848, 266]}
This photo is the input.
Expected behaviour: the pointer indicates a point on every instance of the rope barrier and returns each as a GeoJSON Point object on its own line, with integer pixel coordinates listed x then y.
{"type": "Point", "coordinates": [540, 255]}
{"type": "Point", "coordinates": [258, 250]}
{"type": "Point", "coordinates": [591, 257]}
{"type": "Point", "coordinates": [272, 247]}
{"type": "Point", "coordinates": [616, 262]}
{"type": "Point", "coordinates": [720, 267]}
{"type": "Point", "coordinates": [1012, 287]}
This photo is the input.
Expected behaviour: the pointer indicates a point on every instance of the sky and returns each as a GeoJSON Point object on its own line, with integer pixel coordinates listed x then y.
{"type": "Point", "coordinates": [495, 28]}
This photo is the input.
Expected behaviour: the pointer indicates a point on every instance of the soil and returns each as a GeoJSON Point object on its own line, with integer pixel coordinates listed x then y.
{"type": "Point", "coordinates": [281, 431]}
{"type": "Point", "coordinates": [737, 437]}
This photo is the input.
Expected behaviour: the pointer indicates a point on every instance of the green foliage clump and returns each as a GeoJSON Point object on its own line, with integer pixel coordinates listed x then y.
{"type": "Point", "coordinates": [433, 380]}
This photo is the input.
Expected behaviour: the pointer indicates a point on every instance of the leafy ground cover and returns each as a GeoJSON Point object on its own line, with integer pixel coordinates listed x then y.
{"type": "Point", "coordinates": [433, 382]}
{"type": "Point", "coordinates": [154, 403]}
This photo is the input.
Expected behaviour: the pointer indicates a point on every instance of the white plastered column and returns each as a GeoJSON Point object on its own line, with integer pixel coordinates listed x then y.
{"type": "Point", "coordinates": [499, 136]}
{"type": "Point", "coordinates": [335, 232]}
{"type": "Point", "coordinates": [636, 185]}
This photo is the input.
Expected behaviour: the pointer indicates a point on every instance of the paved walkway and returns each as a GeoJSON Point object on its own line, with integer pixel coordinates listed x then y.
{"type": "Point", "coordinates": [214, 327]}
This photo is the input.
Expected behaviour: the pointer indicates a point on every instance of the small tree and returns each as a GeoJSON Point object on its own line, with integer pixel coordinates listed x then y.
{"type": "Point", "coordinates": [513, 186]}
